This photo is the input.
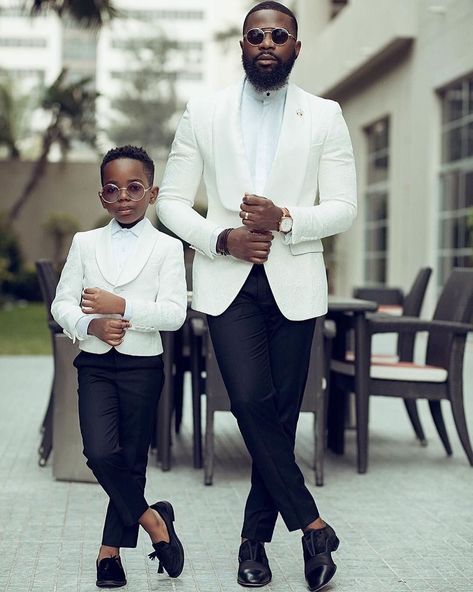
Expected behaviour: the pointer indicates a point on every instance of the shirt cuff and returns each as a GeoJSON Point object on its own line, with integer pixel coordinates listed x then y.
{"type": "Point", "coordinates": [213, 240]}
{"type": "Point", "coordinates": [128, 310]}
{"type": "Point", "coordinates": [82, 326]}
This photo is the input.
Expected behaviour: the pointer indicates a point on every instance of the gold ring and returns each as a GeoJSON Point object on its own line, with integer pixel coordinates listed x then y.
{"type": "Point", "coordinates": [246, 215]}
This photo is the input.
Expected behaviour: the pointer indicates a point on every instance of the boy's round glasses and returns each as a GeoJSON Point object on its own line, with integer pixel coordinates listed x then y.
{"type": "Point", "coordinates": [279, 36]}
{"type": "Point", "coordinates": [135, 191]}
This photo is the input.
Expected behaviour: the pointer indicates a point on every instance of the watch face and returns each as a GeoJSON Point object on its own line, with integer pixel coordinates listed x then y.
{"type": "Point", "coordinates": [286, 225]}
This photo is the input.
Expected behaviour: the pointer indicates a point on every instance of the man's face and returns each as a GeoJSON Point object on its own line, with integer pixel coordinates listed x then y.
{"type": "Point", "coordinates": [268, 65]}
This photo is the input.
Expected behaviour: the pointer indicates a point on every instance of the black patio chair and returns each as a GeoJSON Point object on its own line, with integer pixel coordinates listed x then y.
{"type": "Point", "coordinates": [411, 304]}
{"type": "Point", "coordinates": [441, 377]}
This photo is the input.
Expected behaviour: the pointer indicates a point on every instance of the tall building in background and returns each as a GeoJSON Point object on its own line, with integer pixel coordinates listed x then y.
{"type": "Point", "coordinates": [33, 50]}
{"type": "Point", "coordinates": [403, 74]}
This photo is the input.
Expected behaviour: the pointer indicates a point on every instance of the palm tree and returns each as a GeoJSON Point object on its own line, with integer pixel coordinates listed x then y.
{"type": "Point", "coordinates": [89, 13]}
{"type": "Point", "coordinates": [72, 110]}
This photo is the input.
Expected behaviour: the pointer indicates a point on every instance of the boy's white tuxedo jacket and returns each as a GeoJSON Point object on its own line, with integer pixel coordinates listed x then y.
{"type": "Point", "coordinates": [313, 175]}
{"type": "Point", "coordinates": [153, 279]}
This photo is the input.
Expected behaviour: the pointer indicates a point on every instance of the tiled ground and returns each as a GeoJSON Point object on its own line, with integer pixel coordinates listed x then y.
{"type": "Point", "coordinates": [407, 525]}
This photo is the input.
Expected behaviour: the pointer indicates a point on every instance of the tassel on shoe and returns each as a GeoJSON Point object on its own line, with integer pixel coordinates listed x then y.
{"type": "Point", "coordinates": [154, 556]}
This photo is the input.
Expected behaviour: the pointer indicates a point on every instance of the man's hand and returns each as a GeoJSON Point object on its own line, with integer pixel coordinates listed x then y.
{"type": "Point", "coordinates": [260, 213]}
{"type": "Point", "coordinates": [252, 246]}
{"type": "Point", "coordinates": [97, 301]}
{"type": "Point", "coordinates": [112, 331]}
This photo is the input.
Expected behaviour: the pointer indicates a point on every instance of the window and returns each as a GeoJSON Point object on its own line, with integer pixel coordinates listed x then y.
{"type": "Point", "coordinates": [456, 179]}
{"type": "Point", "coordinates": [22, 42]}
{"type": "Point", "coordinates": [171, 15]}
{"type": "Point", "coordinates": [79, 49]}
{"type": "Point", "coordinates": [376, 203]}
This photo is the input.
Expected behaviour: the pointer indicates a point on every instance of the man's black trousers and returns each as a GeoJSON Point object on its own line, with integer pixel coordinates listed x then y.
{"type": "Point", "coordinates": [264, 360]}
{"type": "Point", "coordinates": [118, 395]}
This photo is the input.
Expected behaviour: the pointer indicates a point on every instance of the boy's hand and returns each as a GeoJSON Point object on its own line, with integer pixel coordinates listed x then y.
{"type": "Point", "coordinates": [112, 331]}
{"type": "Point", "coordinates": [97, 301]}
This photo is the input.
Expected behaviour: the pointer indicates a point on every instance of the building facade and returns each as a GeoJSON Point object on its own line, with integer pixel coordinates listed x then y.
{"type": "Point", "coordinates": [34, 50]}
{"type": "Point", "coordinates": [403, 74]}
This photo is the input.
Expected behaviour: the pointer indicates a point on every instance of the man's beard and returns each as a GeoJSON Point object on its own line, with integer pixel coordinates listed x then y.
{"type": "Point", "coordinates": [268, 79]}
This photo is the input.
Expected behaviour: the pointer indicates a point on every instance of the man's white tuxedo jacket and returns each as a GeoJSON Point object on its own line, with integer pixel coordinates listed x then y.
{"type": "Point", "coordinates": [153, 279]}
{"type": "Point", "coordinates": [313, 175]}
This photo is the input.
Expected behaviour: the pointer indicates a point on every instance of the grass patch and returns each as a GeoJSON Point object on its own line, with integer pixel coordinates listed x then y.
{"type": "Point", "coordinates": [24, 330]}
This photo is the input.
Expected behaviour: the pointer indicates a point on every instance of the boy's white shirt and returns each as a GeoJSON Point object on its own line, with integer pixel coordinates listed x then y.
{"type": "Point", "coordinates": [148, 274]}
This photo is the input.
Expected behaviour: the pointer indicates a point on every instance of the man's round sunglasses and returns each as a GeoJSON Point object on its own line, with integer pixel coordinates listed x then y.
{"type": "Point", "coordinates": [279, 36]}
{"type": "Point", "coordinates": [135, 191]}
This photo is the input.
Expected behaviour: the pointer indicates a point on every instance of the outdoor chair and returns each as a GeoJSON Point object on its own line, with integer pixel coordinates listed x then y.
{"type": "Point", "coordinates": [410, 305]}
{"type": "Point", "coordinates": [440, 377]}
{"type": "Point", "coordinates": [217, 399]}
{"type": "Point", "coordinates": [48, 279]}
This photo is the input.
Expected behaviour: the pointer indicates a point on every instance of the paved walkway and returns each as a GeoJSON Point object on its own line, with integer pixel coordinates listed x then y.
{"type": "Point", "coordinates": [407, 525]}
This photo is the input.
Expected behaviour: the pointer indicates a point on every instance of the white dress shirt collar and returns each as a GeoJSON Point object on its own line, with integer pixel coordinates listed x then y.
{"type": "Point", "coordinates": [136, 229]}
{"type": "Point", "coordinates": [264, 95]}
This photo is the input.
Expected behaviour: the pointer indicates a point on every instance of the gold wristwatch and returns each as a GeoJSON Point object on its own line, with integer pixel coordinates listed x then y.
{"type": "Point", "coordinates": [285, 224]}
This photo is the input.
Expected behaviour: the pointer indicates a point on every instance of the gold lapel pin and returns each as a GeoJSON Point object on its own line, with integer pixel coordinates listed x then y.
{"type": "Point", "coordinates": [299, 112]}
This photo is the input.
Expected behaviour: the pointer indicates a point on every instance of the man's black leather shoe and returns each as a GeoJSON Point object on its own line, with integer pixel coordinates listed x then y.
{"type": "Point", "coordinates": [317, 546]}
{"type": "Point", "coordinates": [110, 573]}
{"type": "Point", "coordinates": [170, 555]}
{"type": "Point", "coordinates": [253, 569]}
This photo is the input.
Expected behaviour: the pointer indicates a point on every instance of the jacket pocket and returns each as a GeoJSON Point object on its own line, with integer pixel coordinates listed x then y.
{"type": "Point", "coordinates": [312, 246]}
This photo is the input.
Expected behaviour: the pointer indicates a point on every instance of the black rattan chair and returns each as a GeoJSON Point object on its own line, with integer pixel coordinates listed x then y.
{"type": "Point", "coordinates": [411, 304]}
{"type": "Point", "coordinates": [439, 378]}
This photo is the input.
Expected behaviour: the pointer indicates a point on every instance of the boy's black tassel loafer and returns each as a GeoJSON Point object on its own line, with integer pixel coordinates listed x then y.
{"type": "Point", "coordinates": [110, 573]}
{"type": "Point", "coordinates": [170, 555]}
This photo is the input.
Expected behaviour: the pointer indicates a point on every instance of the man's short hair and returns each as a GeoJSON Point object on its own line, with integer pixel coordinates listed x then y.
{"type": "Point", "coordinates": [129, 152]}
{"type": "Point", "coordinates": [270, 5]}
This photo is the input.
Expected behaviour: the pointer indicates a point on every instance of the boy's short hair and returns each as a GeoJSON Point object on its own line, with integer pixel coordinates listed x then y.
{"type": "Point", "coordinates": [270, 5]}
{"type": "Point", "coordinates": [129, 152]}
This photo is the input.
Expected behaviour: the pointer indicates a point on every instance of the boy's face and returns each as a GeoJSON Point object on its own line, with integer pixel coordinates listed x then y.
{"type": "Point", "coordinates": [121, 172]}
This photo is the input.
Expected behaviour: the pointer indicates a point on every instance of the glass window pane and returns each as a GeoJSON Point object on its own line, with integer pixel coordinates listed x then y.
{"type": "Point", "coordinates": [452, 145]}
{"type": "Point", "coordinates": [444, 268]}
{"type": "Point", "coordinates": [468, 196]}
{"type": "Point", "coordinates": [375, 270]}
{"type": "Point", "coordinates": [450, 192]}
{"type": "Point", "coordinates": [378, 169]}
{"type": "Point", "coordinates": [470, 96]}
{"type": "Point", "coordinates": [453, 103]}
{"type": "Point", "coordinates": [376, 207]}
{"type": "Point", "coordinates": [468, 130]}
{"type": "Point", "coordinates": [376, 239]}
{"type": "Point", "coordinates": [446, 233]}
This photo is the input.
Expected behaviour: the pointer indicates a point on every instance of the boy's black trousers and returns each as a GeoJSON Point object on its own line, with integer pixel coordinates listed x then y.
{"type": "Point", "coordinates": [118, 395]}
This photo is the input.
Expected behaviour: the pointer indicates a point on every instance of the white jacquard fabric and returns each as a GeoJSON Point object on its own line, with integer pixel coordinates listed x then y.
{"type": "Point", "coordinates": [313, 157]}
{"type": "Point", "coordinates": [153, 280]}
